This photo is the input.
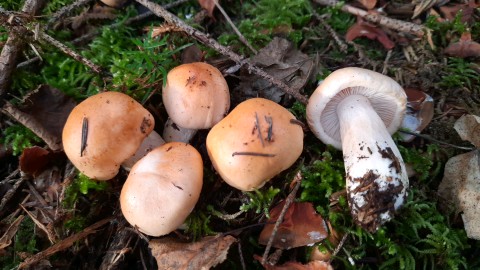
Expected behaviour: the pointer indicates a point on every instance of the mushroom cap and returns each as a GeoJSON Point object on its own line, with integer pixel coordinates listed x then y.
{"type": "Point", "coordinates": [196, 95]}
{"type": "Point", "coordinates": [386, 96]}
{"type": "Point", "coordinates": [246, 160]}
{"type": "Point", "coordinates": [117, 125]}
{"type": "Point", "coordinates": [163, 188]}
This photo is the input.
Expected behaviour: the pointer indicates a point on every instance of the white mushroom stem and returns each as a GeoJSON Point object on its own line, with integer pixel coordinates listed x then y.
{"type": "Point", "coordinates": [376, 177]}
{"type": "Point", "coordinates": [152, 141]}
{"type": "Point", "coordinates": [175, 133]}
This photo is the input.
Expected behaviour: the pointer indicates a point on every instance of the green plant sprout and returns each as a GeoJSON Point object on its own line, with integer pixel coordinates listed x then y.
{"type": "Point", "coordinates": [18, 137]}
{"type": "Point", "coordinates": [198, 224]}
{"type": "Point", "coordinates": [260, 200]}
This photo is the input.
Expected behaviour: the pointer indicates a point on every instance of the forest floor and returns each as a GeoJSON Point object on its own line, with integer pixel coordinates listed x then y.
{"type": "Point", "coordinates": [56, 54]}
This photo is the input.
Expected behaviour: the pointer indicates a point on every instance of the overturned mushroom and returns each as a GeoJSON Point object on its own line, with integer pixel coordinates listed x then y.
{"type": "Point", "coordinates": [104, 131]}
{"type": "Point", "coordinates": [357, 110]}
{"type": "Point", "coordinates": [196, 96]}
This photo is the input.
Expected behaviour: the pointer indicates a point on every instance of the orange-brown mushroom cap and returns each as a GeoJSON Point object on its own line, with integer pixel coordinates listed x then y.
{"type": "Point", "coordinates": [103, 131]}
{"type": "Point", "coordinates": [254, 142]}
{"type": "Point", "coordinates": [196, 95]}
{"type": "Point", "coordinates": [163, 188]}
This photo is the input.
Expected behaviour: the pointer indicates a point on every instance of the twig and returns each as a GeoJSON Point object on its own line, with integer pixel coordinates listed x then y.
{"type": "Point", "coordinates": [97, 31]}
{"type": "Point", "coordinates": [14, 46]}
{"type": "Point", "coordinates": [206, 40]}
{"type": "Point", "coordinates": [120, 245]}
{"type": "Point", "coordinates": [340, 245]}
{"type": "Point", "coordinates": [240, 254]}
{"type": "Point", "coordinates": [235, 29]}
{"type": "Point", "coordinates": [10, 193]}
{"type": "Point", "coordinates": [341, 45]}
{"type": "Point", "coordinates": [65, 11]}
{"type": "Point", "coordinates": [288, 201]}
{"type": "Point", "coordinates": [398, 25]}
{"type": "Point", "coordinates": [437, 141]}
{"type": "Point", "coordinates": [64, 244]}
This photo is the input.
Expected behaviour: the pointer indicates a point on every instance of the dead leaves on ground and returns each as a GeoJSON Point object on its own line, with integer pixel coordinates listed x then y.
{"type": "Point", "coordinates": [463, 48]}
{"type": "Point", "coordinates": [301, 226]}
{"type": "Point", "coordinates": [460, 185]}
{"type": "Point", "coordinates": [204, 254]}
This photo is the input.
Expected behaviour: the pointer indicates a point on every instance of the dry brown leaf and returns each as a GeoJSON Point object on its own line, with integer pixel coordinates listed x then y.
{"type": "Point", "coordinates": [460, 187]}
{"type": "Point", "coordinates": [370, 31]}
{"type": "Point", "coordinates": [204, 254]}
{"type": "Point", "coordinates": [468, 9]}
{"type": "Point", "coordinates": [44, 111]}
{"type": "Point", "coordinates": [420, 109]}
{"type": "Point", "coordinates": [313, 265]}
{"type": "Point", "coordinates": [468, 127]}
{"type": "Point", "coordinates": [34, 160]}
{"type": "Point", "coordinates": [283, 61]}
{"type": "Point", "coordinates": [208, 5]}
{"type": "Point", "coordinates": [368, 4]}
{"type": "Point", "coordinates": [463, 48]}
{"type": "Point", "coordinates": [301, 226]}
{"type": "Point", "coordinates": [333, 238]}
{"type": "Point", "coordinates": [6, 238]}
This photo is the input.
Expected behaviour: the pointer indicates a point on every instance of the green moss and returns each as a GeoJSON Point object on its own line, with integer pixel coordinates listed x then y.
{"type": "Point", "coordinates": [18, 138]}
{"type": "Point", "coordinates": [82, 184]}
{"type": "Point", "coordinates": [260, 200]}
{"type": "Point", "coordinates": [24, 241]}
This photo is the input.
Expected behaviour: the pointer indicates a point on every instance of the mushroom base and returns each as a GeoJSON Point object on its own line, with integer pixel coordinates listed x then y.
{"type": "Point", "coordinates": [377, 180]}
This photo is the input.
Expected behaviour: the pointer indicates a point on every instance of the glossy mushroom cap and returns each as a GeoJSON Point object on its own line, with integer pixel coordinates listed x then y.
{"type": "Point", "coordinates": [196, 95]}
{"type": "Point", "coordinates": [113, 126]}
{"type": "Point", "coordinates": [385, 95]}
{"type": "Point", "coordinates": [254, 142]}
{"type": "Point", "coordinates": [163, 188]}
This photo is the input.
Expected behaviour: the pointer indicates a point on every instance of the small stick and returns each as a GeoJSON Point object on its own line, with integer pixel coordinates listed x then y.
{"type": "Point", "coordinates": [288, 201]}
{"type": "Point", "coordinates": [84, 135]}
{"type": "Point", "coordinates": [10, 193]}
{"type": "Point", "coordinates": [207, 41]}
{"type": "Point", "coordinates": [64, 11]}
{"type": "Point", "coordinates": [252, 154]}
{"type": "Point", "coordinates": [235, 29]}
{"type": "Point", "coordinates": [437, 141]}
{"type": "Point", "coordinates": [257, 125]}
{"type": "Point", "coordinates": [398, 25]}
{"type": "Point", "coordinates": [341, 45]}
{"type": "Point", "coordinates": [240, 253]}
{"type": "Point", "coordinates": [270, 128]}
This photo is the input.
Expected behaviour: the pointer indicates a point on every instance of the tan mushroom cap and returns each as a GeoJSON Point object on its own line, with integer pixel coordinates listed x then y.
{"type": "Point", "coordinates": [116, 125]}
{"type": "Point", "coordinates": [163, 188]}
{"type": "Point", "coordinates": [386, 96]}
{"type": "Point", "coordinates": [196, 95]}
{"type": "Point", "coordinates": [246, 160]}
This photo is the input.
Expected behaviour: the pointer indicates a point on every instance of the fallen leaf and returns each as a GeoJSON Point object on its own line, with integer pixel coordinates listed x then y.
{"type": "Point", "coordinates": [313, 265]}
{"type": "Point", "coordinates": [460, 187]}
{"type": "Point", "coordinates": [6, 238]}
{"type": "Point", "coordinates": [44, 111]}
{"type": "Point", "coordinates": [467, 9]}
{"type": "Point", "coordinates": [468, 127]}
{"type": "Point", "coordinates": [208, 252]}
{"type": "Point", "coordinates": [284, 62]}
{"type": "Point", "coordinates": [34, 160]}
{"type": "Point", "coordinates": [463, 48]}
{"type": "Point", "coordinates": [208, 5]}
{"type": "Point", "coordinates": [301, 226]}
{"type": "Point", "coordinates": [333, 239]}
{"type": "Point", "coordinates": [422, 6]}
{"type": "Point", "coordinates": [420, 109]}
{"type": "Point", "coordinates": [370, 31]}
{"type": "Point", "coordinates": [368, 4]}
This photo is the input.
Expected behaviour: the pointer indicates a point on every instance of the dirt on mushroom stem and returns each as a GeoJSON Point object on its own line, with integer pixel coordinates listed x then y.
{"type": "Point", "coordinates": [377, 181]}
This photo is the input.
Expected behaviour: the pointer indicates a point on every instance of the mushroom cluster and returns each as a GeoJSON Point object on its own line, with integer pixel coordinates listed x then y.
{"type": "Point", "coordinates": [254, 142]}
{"type": "Point", "coordinates": [357, 110]}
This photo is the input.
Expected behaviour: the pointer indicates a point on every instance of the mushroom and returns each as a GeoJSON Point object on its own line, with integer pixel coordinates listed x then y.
{"type": "Point", "coordinates": [254, 142]}
{"type": "Point", "coordinates": [105, 130]}
{"type": "Point", "coordinates": [196, 96]}
{"type": "Point", "coordinates": [357, 110]}
{"type": "Point", "coordinates": [162, 188]}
